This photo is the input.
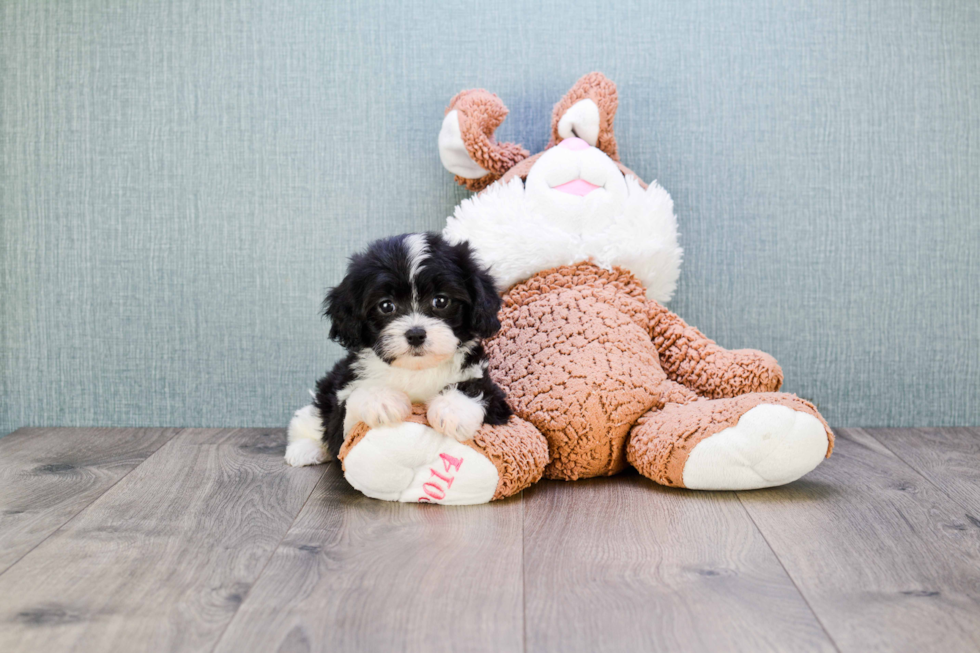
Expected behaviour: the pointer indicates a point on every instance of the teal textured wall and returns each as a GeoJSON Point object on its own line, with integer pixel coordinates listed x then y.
{"type": "Point", "coordinates": [181, 181]}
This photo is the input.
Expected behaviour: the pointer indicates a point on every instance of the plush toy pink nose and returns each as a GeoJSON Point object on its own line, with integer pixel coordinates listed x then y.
{"type": "Point", "coordinates": [574, 144]}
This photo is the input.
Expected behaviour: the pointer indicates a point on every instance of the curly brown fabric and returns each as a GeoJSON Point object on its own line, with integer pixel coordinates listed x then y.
{"type": "Point", "coordinates": [662, 440]}
{"type": "Point", "coordinates": [521, 169]}
{"type": "Point", "coordinates": [609, 377]}
{"type": "Point", "coordinates": [575, 359]}
{"type": "Point", "coordinates": [516, 449]}
{"type": "Point", "coordinates": [581, 353]}
{"type": "Point", "coordinates": [691, 358]}
{"type": "Point", "coordinates": [601, 90]}
{"type": "Point", "coordinates": [480, 113]}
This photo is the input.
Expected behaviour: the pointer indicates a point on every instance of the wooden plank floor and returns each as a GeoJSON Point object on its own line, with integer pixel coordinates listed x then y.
{"type": "Point", "coordinates": [203, 540]}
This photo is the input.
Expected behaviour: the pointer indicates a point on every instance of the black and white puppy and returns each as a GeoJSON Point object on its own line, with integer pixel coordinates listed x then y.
{"type": "Point", "coordinates": [411, 313]}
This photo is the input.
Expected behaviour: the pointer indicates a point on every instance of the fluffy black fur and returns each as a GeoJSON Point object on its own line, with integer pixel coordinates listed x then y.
{"type": "Point", "coordinates": [382, 273]}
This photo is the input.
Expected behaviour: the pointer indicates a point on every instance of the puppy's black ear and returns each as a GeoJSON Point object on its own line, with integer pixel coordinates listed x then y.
{"type": "Point", "coordinates": [483, 292]}
{"type": "Point", "coordinates": [346, 323]}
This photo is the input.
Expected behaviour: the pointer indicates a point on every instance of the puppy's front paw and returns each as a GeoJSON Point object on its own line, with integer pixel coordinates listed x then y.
{"type": "Point", "coordinates": [455, 415]}
{"type": "Point", "coordinates": [379, 406]}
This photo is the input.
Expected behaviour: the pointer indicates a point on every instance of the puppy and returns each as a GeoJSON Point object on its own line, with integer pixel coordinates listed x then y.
{"type": "Point", "coordinates": [411, 313]}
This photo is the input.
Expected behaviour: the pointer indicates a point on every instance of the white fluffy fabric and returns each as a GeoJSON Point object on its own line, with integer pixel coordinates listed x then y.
{"type": "Point", "coordinates": [582, 121]}
{"type": "Point", "coordinates": [518, 234]}
{"type": "Point", "coordinates": [769, 446]}
{"type": "Point", "coordinates": [410, 462]}
{"type": "Point", "coordinates": [452, 149]}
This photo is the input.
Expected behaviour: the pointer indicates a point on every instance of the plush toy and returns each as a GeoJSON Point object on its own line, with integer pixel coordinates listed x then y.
{"type": "Point", "coordinates": [585, 253]}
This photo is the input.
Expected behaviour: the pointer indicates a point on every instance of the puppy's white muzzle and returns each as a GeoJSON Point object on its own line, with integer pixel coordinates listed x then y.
{"type": "Point", "coordinates": [418, 342]}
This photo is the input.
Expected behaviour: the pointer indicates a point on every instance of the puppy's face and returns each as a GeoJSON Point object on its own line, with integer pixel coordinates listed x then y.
{"type": "Point", "coordinates": [414, 300]}
{"type": "Point", "coordinates": [419, 317]}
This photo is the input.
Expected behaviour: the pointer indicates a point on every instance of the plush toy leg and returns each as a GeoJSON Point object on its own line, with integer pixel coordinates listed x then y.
{"type": "Point", "coordinates": [411, 462]}
{"type": "Point", "coordinates": [743, 443]}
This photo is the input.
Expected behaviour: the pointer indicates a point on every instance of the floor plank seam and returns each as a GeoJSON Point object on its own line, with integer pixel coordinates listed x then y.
{"type": "Point", "coordinates": [916, 470]}
{"type": "Point", "coordinates": [272, 554]}
{"type": "Point", "coordinates": [523, 575]}
{"type": "Point", "coordinates": [866, 537]}
{"type": "Point", "coordinates": [799, 591]}
{"type": "Point", "coordinates": [90, 504]}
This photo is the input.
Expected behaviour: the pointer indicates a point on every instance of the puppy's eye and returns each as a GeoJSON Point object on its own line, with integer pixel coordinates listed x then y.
{"type": "Point", "coordinates": [386, 306]}
{"type": "Point", "coordinates": [440, 302]}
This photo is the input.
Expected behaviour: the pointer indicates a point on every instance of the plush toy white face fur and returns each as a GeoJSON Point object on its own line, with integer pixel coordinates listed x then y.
{"type": "Point", "coordinates": [575, 206]}
{"type": "Point", "coordinates": [578, 185]}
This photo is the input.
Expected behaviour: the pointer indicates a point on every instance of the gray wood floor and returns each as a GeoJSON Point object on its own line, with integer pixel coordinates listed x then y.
{"type": "Point", "coordinates": [204, 540]}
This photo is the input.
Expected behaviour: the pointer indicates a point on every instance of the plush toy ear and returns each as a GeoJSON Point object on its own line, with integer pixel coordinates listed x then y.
{"type": "Point", "coordinates": [342, 307]}
{"type": "Point", "coordinates": [466, 144]}
{"type": "Point", "coordinates": [587, 112]}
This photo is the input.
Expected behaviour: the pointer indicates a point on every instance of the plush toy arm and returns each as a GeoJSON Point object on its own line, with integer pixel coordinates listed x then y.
{"type": "Point", "coordinates": [692, 359]}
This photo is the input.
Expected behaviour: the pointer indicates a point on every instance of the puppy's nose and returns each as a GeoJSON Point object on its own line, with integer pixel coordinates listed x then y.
{"type": "Point", "coordinates": [415, 336]}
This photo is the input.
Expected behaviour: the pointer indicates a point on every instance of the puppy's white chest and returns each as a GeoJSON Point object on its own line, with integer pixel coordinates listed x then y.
{"type": "Point", "coordinates": [421, 386]}
{"type": "Point", "coordinates": [376, 380]}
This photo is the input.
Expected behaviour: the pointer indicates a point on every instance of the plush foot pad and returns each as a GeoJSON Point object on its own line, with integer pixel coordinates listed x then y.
{"type": "Point", "coordinates": [411, 462]}
{"type": "Point", "coordinates": [770, 445]}
{"type": "Point", "coordinates": [305, 437]}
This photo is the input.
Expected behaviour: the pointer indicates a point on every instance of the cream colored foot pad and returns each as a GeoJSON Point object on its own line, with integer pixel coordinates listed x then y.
{"type": "Point", "coordinates": [771, 445]}
{"type": "Point", "coordinates": [411, 462]}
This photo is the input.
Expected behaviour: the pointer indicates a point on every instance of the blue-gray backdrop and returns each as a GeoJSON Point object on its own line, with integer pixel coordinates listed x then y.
{"type": "Point", "coordinates": [182, 180]}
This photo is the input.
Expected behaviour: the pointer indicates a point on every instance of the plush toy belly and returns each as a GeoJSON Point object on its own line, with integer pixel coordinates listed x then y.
{"type": "Point", "coordinates": [576, 362]}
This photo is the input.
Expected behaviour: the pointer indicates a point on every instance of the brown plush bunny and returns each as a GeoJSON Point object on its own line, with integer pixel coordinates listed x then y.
{"type": "Point", "coordinates": [584, 253]}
